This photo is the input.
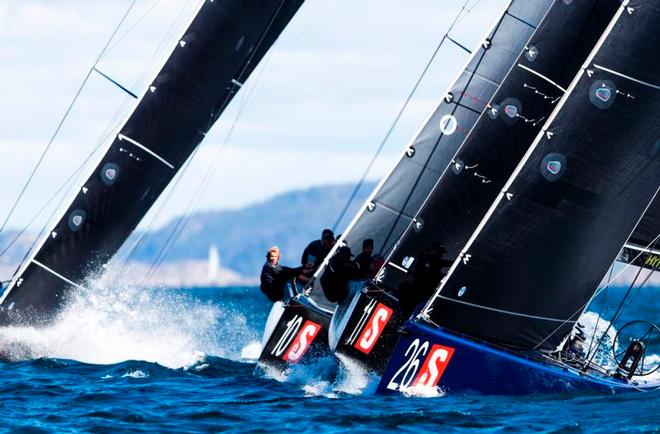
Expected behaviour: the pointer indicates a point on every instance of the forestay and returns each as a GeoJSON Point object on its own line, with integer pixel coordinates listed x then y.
{"type": "Point", "coordinates": [208, 66]}
{"type": "Point", "coordinates": [537, 257]}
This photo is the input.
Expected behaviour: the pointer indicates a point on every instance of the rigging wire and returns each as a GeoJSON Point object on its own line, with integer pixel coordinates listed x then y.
{"type": "Point", "coordinates": [618, 311]}
{"type": "Point", "coordinates": [183, 220]}
{"type": "Point", "coordinates": [395, 122]}
{"type": "Point", "coordinates": [63, 119]}
{"type": "Point", "coordinates": [110, 128]}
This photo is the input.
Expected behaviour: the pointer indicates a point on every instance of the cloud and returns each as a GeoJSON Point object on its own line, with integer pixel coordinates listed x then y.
{"type": "Point", "coordinates": [330, 89]}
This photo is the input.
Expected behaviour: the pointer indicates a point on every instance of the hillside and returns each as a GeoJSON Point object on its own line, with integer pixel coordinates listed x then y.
{"type": "Point", "coordinates": [289, 220]}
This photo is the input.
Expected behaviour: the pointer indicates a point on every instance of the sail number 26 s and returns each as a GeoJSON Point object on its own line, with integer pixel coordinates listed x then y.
{"type": "Point", "coordinates": [294, 349]}
{"type": "Point", "coordinates": [434, 362]}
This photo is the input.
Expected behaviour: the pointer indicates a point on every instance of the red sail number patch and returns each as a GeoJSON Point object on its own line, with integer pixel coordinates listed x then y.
{"type": "Point", "coordinates": [302, 342]}
{"type": "Point", "coordinates": [434, 366]}
{"type": "Point", "coordinates": [374, 328]}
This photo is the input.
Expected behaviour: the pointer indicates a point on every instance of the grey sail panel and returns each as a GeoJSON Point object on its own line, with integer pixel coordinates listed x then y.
{"type": "Point", "coordinates": [217, 53]}
{"type": "Point", "coordinates": [500, 138]}
{"type": "Point", "coordinates": [538, 256]}
{"type": "Point", "coordinates": [413, 178]}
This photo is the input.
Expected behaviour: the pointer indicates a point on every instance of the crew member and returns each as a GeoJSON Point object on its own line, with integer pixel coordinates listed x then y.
{"type": "Point", "coordinates": [423, 278]}
{"type": "Point", "coordinates": [365, 258]}
{"type": "Point", "coordinates": [341, 269]}
{"type": "Point", "coordinates": [274, 277]}
{"type": "Point", "coordinates": [317, 250]}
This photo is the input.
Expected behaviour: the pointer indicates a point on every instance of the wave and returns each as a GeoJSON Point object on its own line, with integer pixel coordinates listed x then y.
{"type": "Point", "coordinates": [108, 325]}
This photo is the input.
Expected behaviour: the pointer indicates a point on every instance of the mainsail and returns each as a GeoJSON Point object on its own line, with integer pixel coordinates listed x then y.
{"type": "Point", "coordinates": [537, 257]}
{"type": "Point", "coordinates": [498, 141]}
{"type": "Point", "coordinates": [209, 64]}
{"type": "Point", "coordinates": [393, 204]}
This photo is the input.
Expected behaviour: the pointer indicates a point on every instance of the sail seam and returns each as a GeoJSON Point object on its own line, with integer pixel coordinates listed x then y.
{"type": "Point", "coordinates": [483, 78]}
{"type": "Point", "coordinates": [58, 275]}
{"type": "Point", "coordinates": [393, 210]}
{"type": "Point", "coordinates": [636, 80]}
{"type": "Point", "coordinates": [507, 312]}
{"type": "Point", "coordinates": [145, 149]}
{"type": "Point", "coordinates": [538, 74]}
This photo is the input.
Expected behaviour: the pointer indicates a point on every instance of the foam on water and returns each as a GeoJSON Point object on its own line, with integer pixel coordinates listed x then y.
{"type": "Point", "coordinates": [107, 325]}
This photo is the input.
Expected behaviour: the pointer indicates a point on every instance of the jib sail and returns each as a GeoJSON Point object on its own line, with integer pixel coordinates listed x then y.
{"type": "Point", "coordinates": [395, 201]}
{"type": "Point", "coordinates": [498, 141]}
{"type": "Point", "coordinates": [537, 257]}
{"type": "Point", "coordinates": [209, 64]}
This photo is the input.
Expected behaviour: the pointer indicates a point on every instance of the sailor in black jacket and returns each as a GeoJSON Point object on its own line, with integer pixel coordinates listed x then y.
{"type": "Point", "coordinates": [317, 250]}
{"type": "Point", "coordinates": [274, 277]}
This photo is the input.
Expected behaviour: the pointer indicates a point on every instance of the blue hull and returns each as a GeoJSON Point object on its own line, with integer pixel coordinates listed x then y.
{"type": "Point", "coordinates": [428, 357]}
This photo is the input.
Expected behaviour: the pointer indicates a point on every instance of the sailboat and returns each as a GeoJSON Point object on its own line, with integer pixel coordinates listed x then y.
{"type": "Point", "coordinates": [365, 328]}
{"type": "Point", "coordinates": [391, 207]}
{"type": "Point", "coordinates": [217, 52]}
{"type": "Point", "coordinates": [505, 318]}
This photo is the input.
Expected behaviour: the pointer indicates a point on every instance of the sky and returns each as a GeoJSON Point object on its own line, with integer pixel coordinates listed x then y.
{"type": "Point", "coordinates": [313, 113]}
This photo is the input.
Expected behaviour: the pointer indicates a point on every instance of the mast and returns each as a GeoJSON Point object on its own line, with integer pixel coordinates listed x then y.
{"type": "Point", "coordinates": [392, 205]}
{"type": "Point", "coordinates": [209, 64]}
{"type": "Point", "coordinates": [533, 263]}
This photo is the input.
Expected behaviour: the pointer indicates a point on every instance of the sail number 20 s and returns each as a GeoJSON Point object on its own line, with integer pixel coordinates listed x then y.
{"type": "Point", "coordinates": [434, 362]}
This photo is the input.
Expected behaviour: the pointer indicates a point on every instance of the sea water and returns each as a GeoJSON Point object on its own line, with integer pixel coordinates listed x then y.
{"type": "Point", "coordinates": [163, 360]}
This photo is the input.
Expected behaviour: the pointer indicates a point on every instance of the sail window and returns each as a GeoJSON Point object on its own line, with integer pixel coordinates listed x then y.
{"type": "Point", "coordinates": [457, 166]}
{"type": "Point", "coordinates": [77, 219]}
{"type": "Point", "coordinates": [531, 53]}
{"type": "Point", "coordinates": [553, 166]}
{"type": "Point", "coordinates": [602, 94]}
{"type": "Point", "coordinates": [511, 108]}
{"type": "Point", "coordinates": [109, 173]}
{"type": "Point", "coordinates": [410, 152]}
{"type": "Point", "coordinates": [462, 291]}
{"type": "Point", "coordinates": [448, 125]}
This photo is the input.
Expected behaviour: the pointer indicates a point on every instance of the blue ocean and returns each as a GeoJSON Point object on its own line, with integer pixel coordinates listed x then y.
{"type": "Point", "coordinates": [132, 360]}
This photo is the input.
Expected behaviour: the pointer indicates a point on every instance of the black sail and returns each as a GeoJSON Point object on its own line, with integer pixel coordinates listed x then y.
{"type": "Point", "coordinates": [537, 257]}
{"type": "Point", "coordinates": [499, 139]}
{"type": "Point", "coordinates": [217, 53]}
{"type": "Point", "coordinates": [397, 198]}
